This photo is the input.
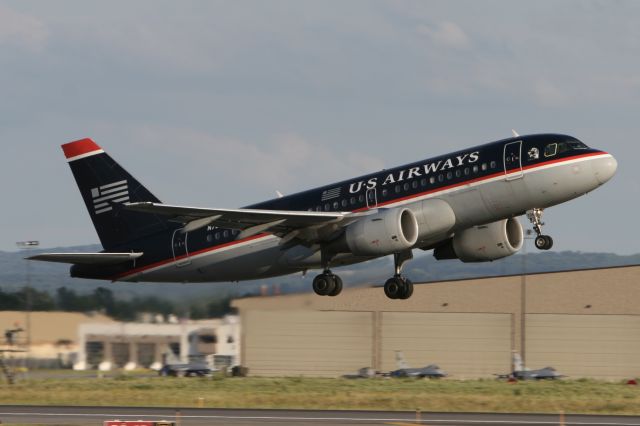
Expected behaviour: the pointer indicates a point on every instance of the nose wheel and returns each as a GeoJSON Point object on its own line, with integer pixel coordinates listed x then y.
{"type": "Point", "coordinates": [542, 242]}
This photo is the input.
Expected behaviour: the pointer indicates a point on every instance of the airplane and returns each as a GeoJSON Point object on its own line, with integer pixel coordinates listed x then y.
{"type": "Point", "coordinates": [462, 205]}
{"type": "Point", "coordinates": [431, 371]}
{"type": "Point", "coordinates": [520, 372]}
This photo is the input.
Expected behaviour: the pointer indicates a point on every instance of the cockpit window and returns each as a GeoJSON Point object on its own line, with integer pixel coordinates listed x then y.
{"type": "Point", "coordinates": [563, 147]}
{"type": "Point", "coordinates": [577, 145]}
{"type": "Point", "coordinates": [551, 150]}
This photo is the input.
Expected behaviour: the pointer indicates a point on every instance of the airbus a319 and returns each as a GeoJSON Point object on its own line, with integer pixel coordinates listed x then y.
{"type": "Point", "coordinates": [463, 205]}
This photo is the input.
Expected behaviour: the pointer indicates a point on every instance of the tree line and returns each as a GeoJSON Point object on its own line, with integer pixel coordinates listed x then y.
{"type": "Point", "coordinates": [103, 300]}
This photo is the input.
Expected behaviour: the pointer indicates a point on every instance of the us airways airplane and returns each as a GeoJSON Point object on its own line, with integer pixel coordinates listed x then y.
{"type": "Point", "coordinates": [461, 205]}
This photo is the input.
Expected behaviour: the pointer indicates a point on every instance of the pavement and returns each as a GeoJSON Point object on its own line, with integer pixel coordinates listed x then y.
{"type": "Point", "coordinates": [43, 415]}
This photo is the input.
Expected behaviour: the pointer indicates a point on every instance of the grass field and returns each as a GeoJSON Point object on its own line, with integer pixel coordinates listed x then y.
{"type": "Point", "coordinates": [570, 396]}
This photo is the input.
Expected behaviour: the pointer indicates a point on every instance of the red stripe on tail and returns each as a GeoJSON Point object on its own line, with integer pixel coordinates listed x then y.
{"type": "Point", "coordinates": [79, 147]}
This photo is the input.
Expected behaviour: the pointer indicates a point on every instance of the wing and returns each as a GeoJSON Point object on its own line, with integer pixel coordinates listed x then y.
{"type": "Point", "coordinates": [87, 258]}
{"type": "Point", "coordinates": [304, 225]}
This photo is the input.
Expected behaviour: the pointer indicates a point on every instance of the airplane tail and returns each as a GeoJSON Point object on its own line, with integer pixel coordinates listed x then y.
{"type": "Point", "coordinates": [400, 361]}
{"type": "Point", "coordinates": [105, 186]}
{"type": "Point", "coordinates": [518, 365]}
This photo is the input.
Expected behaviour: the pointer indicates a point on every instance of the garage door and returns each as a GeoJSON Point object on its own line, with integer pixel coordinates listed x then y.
{"type": "Point", "coordinates": [307, 343]}
{"type": "Point", "coordinates": [464, 345]}
{"type": "Point", "coordinates": [598, 346]}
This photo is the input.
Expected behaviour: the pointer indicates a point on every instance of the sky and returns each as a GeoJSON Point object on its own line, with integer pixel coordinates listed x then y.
{"type": "Point", "coordinates": [221, 103]}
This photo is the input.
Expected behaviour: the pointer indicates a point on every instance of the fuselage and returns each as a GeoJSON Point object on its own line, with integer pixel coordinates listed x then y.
{"type": "Point", "coordinates": [482, 184]}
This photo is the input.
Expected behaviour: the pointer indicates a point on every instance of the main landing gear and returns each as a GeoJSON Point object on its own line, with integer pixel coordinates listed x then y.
{"type": "Point", "coordinates": [542, 242]}
{"type": "Point", "coordinates": [327, 284]}
{"type": "Point", "coordinates": [399, 287]}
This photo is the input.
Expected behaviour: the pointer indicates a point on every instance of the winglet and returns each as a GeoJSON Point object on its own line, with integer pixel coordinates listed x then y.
{"type": "Point", "coordinates": [515, 134]}
{"type": "Point", "coordinates": [80, 149]}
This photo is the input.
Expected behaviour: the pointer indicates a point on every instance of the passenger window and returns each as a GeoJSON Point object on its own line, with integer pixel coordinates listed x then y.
{"type": "Point", "coordinates": [385, 192]}
{"type": "Point", "coordinates": [406, 186]}
{"type": "Point", "coordinates": [467, 171]}
{"type": "Point", "coordinates": [361, 198]}
{"type": "Point", "coordinates": [226, 234]}
{"type": "Point", "coordinates": [440, 178]}
{"type": "Point", "coordinates": [484, 167]}
{"type": "Point", "coordinates": [449, 175]}
{"type": "Point", "coordinates": [209, 237]}
{"type": "Point", "coordinates": [318, 208]}
{"type": "Point", "coordinates": [352, 200]}
{"type": "Point", "coordinates": [344, 203]}
{"type": "Point", "coordinates": [458, 173]}
{"type": "Point", "coordinates": [423, 182]}
{"type": "Point", "coordinates": [397, 189]}
{"type": "Point", "coordinates": [551, 150]}
{"type": "Point", "coordinates": [217, 235]}
{"type": "Point", "coordinates": [493, 164]}
{"type": "Point", "coordinates": [336, 205]}
{"type": "Point", "coordinates": [414, 184]}
{"type": "Point", "coordinates": [327, 207]}
{"type": "Point", "coordinates": [432, 180]}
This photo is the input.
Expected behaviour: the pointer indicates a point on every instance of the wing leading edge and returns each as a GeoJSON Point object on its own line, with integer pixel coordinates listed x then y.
{"type": "Point", "coordinates": [284, 223]}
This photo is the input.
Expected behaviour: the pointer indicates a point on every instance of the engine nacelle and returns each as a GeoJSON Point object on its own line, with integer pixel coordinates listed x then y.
{"type": "Point", "coordinates": [386, 232]}
{"type": "Point", "coordinates": [484, 243]}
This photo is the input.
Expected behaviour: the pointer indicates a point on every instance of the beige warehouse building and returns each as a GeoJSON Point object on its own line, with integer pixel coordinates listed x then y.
{"type": "Point", "coordinates": [585, 323]}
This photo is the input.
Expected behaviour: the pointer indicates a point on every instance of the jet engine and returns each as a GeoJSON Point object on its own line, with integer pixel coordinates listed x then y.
{"type": "Point", "coordinates": [386, 232]}
{"type": "Point", "coordinates": [483, 243]}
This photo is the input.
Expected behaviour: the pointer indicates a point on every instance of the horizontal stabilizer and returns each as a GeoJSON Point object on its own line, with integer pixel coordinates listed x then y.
{"type": "Point", "coordinates": [87, 258]}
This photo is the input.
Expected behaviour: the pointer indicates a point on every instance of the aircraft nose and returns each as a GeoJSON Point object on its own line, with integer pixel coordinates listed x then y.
{"type": "Point", "coordinates": [605, 168]}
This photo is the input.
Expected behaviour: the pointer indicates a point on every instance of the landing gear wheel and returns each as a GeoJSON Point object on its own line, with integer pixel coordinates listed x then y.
{"type": "Point", "coordinates": [338, 286]}
{"type": "Point", "coordinates": [543, 242]}
{"type": "Point", "coordinates": [324, 284]}
{"type": "Point", "coordinates": [408, 289]}
{"type": "Point", "coordinates": [394, 288]}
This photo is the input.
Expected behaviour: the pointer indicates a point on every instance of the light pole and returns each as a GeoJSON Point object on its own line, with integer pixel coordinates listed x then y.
{"type": "Point", "coordinates": [523, 297]}
{"type": "Point", "coordinates": [27, 246]}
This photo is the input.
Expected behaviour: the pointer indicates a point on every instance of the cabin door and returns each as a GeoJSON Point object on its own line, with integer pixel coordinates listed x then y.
{"type": "Point", "coordinates": [179, 247]}
{"type": "Point", "coordinates": [372, 198]}
{"type": "Point", "coordinates": [513, 160]}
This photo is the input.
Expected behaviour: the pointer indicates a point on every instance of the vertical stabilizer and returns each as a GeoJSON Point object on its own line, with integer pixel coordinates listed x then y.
{"type": "Point", "coordinates": [105, 186]}
{"type": "Point", "coordinates": [400, 361]}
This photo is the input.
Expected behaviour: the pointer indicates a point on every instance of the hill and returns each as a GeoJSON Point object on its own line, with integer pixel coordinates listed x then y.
{"type": "Point", "coordinates": [424, 268]}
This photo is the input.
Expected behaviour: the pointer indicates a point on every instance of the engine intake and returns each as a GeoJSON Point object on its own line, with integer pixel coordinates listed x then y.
{"type": "Point", "coordinates": [483, 243]}
{"type": "Point", "coordinates": [386, 232]}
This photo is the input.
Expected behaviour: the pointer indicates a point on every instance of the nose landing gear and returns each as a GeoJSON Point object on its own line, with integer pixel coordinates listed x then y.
{"type": "Point", "coordinates": [542, 242]}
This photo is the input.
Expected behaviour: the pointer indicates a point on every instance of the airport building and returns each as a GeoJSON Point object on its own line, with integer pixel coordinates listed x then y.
{"type": "Point", "coordinates": [150, 345]}
{"type": "Point", "coordinates": [585, 323]}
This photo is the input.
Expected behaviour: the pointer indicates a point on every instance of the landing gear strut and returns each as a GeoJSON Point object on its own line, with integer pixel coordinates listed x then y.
{"type": "Point", "coordinates": [399, 287]}
{"type": "Point", "coordinates": [542, 242]}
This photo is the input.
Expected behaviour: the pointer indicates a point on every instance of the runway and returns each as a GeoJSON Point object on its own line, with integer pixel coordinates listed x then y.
{"type": "Point", "coordinates": [20, 414]}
